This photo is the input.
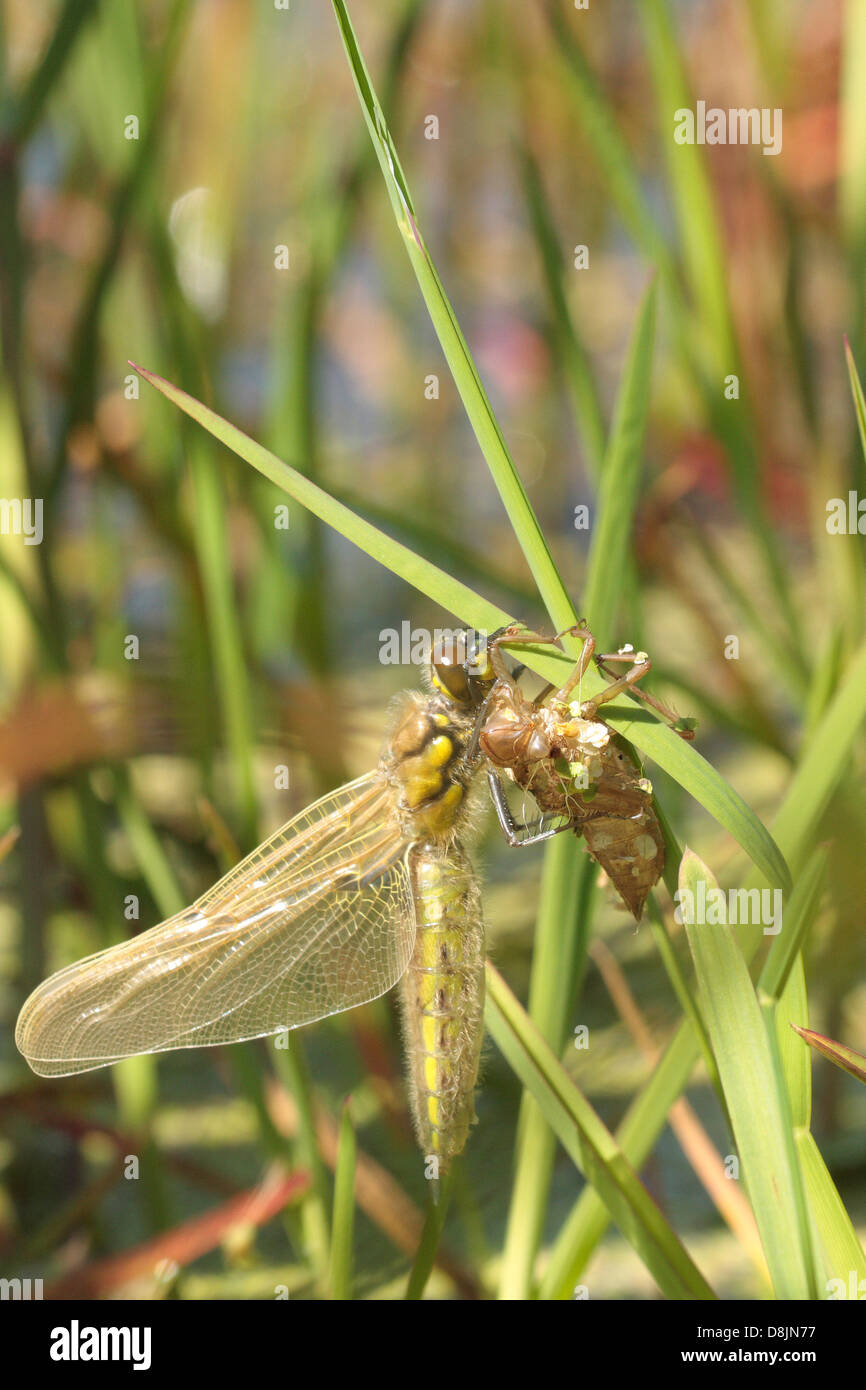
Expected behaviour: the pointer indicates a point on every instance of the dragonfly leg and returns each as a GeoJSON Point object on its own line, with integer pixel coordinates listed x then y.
{"type": "Point", "coordinates": [683, 727]}
{"type": "Point", "coordinates": [535, 639]}
{"type": "Point", "coordinates": [517, 835]}
{"type": "Point", "coordinates": [473, 747]}
{"type": "Point", "coordinates": [628, 682]}
{"type": "Point", "coordinates": [616, 687]}
{"type": "Point", "coordinates": [580, 630]}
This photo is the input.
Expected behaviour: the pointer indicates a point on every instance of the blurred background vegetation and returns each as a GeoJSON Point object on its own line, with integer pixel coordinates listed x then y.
{"type": "Point", "coordinates": [259, 647]}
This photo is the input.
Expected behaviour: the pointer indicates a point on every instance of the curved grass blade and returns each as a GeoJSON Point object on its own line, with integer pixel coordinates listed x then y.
{"type": "Point", "coordinates": [697, 218]}
{"type": "Point", "coordinates": [701, 238]}
{"type": "Point", "coordinates": [846, 1262]}
{"type": "Point", "coordinates": [705, 340]}
{"type": "Point", "coordinates": [636, 1135]}
{"type": "Point", "coordinates": [590, 1145]}
{"type": "Point", "coordinates": [610, 148]}
{"type": "Point", "coordinates": [457, 598]}
{"type": "Point", "coordinates": [751, 1084]}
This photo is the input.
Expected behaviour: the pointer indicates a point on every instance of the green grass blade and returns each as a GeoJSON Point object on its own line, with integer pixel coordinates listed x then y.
{"type": "Point", "coordinates": [825, 760]}
{"type": "Point", "coordinates": [604, 137]}
{"type": "Point", "coordinates": [233, 687]}
{"type": "Point", "coordinates": [846, 1262]}
{"type": "Point", "coordinates": [800, 914]}
{"type": "Point", "coordinates": [558, 963]}
{"type": "Point", "coordinates": [697, 220]}
{"type": "Point", "coordinates": [857, 393]}
{"type": "Point", "coordinates": [636, 1136]}
{"type": "Point", "coordinates": [793, 1089]}
{"type": "Point", "coordinates": [27, 111]}
{"type": "Point", "coordinates": [792, 1007]}
{"type": "Point", "coordinates": [291, 1065]}
{"type": "Point", "coordinates": [826, 675]}
{"type": "Point", "coordinates": [343, 1223]}
{"type": "Point", "coordinates": [590, 1145]}
{"type": "Point", "coordinates": [422, 533]}
{"type": "Point", "coordinates": [147, 849]}
{"type": "Point", "coordinates": [751, 1086]}
{"type": "Point", "coordinates": [680, 983]}
{"type": "Point", "coordinates": [705, 340]}
{"type": "Point", "coordinates": [570, 351]}
{"type": "Point", "coordinates": [620, 479]}
{"type": "Point", "coordinates": [714, 341]}
{"type": "Point", "coordinates": [457, 355]}
{"type": "Point", "coordinates": [420, 573]}
{"type": "Point", "coordinates": [437, 1210]}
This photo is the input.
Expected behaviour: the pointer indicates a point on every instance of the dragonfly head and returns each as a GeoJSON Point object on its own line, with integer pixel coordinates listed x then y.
{"type": "Point", "coordinates": [460, 668]}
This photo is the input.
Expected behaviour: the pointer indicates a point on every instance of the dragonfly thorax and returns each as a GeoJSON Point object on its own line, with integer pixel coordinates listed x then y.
{"type": "Point", "coordinates": [425, 763]}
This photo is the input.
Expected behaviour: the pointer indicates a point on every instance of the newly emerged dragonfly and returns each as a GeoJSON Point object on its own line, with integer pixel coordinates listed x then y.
{"type": "Point", "coordinates": [368, 887]}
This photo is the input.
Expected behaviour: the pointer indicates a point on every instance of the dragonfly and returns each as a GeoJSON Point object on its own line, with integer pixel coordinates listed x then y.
{"type": "Point", "coordinates": [368, 888]}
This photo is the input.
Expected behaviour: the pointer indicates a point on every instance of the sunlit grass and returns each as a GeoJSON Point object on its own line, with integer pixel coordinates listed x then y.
{"type": "Point", "coordinates": [241, 619]}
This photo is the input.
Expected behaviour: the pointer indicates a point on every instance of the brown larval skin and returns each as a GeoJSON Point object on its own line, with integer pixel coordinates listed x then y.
{"type": "Point", "coordinates": [577, 768]}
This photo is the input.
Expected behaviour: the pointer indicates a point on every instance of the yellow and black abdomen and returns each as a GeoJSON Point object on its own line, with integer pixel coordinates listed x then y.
{"type": "Point", "coordinates": [443, 988]}
{"type": "Point", "coordinates": [443, 997]}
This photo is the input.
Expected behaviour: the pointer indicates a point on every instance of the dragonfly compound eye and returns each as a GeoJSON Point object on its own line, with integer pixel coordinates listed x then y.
{"type": "Point", "coordinates": [448, 669]}
{"type": "Point", "coordinates": [460, 668]}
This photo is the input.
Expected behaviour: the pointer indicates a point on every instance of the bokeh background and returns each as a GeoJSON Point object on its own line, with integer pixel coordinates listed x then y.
{"type": "Point", "coordinates": [259, 647]}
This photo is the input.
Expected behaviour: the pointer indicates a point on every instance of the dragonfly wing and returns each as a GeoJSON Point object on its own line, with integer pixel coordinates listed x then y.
{"type": "Point", "coordinates": [316, 920]}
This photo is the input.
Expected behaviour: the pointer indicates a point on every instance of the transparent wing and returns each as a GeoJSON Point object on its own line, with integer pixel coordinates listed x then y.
{"type": "Point", "coordinates": [318, 919]}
